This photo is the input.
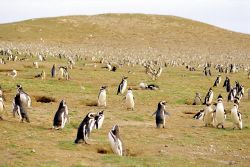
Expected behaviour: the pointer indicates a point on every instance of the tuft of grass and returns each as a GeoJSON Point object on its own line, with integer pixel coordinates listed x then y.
{"type": "Point", "coordinates": [67, 145]}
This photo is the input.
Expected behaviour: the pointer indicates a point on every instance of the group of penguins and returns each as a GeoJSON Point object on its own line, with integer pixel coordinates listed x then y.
{"type": "Point", "coordinates": [216, 116]}
{"type": "Point", "coordinates": [91, 121]}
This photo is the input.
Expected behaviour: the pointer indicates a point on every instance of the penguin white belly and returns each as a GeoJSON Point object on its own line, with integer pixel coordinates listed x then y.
{"type": "Point", "coordinates": [91, 125]}
{"type": "Point", "coordinates": [208, 116]}
{"type": "Point", "coordinates": [234, 116]}
{"type": "Point", "coordinates": [1, 105]}
{"type": "Point", "coordinates": [115, 143]}
{"type": "Point", "coordinates": [124, 87]}
{"type": "Point", "coordinates": [220, 115]}
{"type": "Point", "coordinates": [130, 101]}
{"type": "Point", "coordinates": [102, 99]}
{"type": "Point", "coordinates": [211, 98]}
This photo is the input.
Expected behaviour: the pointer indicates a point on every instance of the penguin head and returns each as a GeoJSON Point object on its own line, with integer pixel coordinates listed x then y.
{"type": "Point", "coordinates": [91, 115]}
{"type": "Point", "coordinates": [103, 87]}
{"type": "Point", "coordinates": [115, 130]}
{"type": "Point", "coordinates": [219, 98]}
{"type": "Point", "coordinates": [100, 113]}
{"type": "Point", "coordinates": [62, 103]}
{"type": "Point", "coordinates": [210, 89]}
{"type": "Point", "coordinates": [19, 87]}
{"type": "Point", "coordinates": [125, 77]}
{"type": "Point", "coordinates": [162, 104]}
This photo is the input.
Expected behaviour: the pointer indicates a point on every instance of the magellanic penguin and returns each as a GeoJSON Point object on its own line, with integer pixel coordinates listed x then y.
{"type": "Point", "coordinates": [208, 115]}
{"type": "Point", "coordinates": [209, 97]}
{"type": "Point", "coordinates": [53, 71]}
{"type": "Point", "coordinates": [24, 97]}
{"type": "Point", "coordinates": [227, 84]}
{"type": "Point", "coordinates": [160, 114]}
{"type": "Point", "coordinates": [217, 81]}
{"type": "Point", "coordinates": [197, 99]}
{"type": "Point", "coordinates": [219, 114]}
{"type": "Point", "coordinates": [19, 108]}
{"type": "Point", "coordinates": [122, 86]}
{"type": "Point", "coordinates": [236, 115]}
{"type": "Point", "coordinates": [99, 118]}
{"type": "Point", "coordinates": [115, 140]}
{"type": "Point", "coordinates": [199, 115]}
{"type": "Point", "coordinates": [85, 128]}
{"type": "Point", "coordinates": [61, 116]}
{"type": "Point", "coordinates": [101, 101]}
{"type": "Point", "coordinates": [130, 103]}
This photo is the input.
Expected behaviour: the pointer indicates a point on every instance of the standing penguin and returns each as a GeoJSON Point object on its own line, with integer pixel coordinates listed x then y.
{"type": "Point", "coordinates": [160, 114]}
{"type": "Point", "coordinates": [53, 71]}
{"type": "Point", "coordinates": [208, 115]}
{"type": "Point", "coordinates": [24, 97]}
{"type": "Point", "coordinates": [130, 100]}
{"type": "Point", "coordinates": [219, 115]}
{"type": "Point", "coordinates": [99, 118]}
{"type": "Point", "coordinates": [85, 128]}
{"type": "Point", "coordinates": [227, 84]}
{"type": "Point", "coordinates": [122, 86]}
{"type": "Point", "coordinates": [115, 140]}
{"type": "Point", "coordinates": [19, 107]}
{"type": "Point", "coordinates": [101, 101]}
{"type": "Point", "coordinates": [61, 116]}
{"type": "Point", "coordinates": [217, 81]}
{"type": "Point", "coordinates": [236, 115]}
{"type": "Point", "coordinates": [209, 97]}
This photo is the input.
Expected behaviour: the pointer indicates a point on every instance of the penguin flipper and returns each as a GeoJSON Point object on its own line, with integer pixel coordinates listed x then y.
{"type": "Point", "coordinates": [154, 113]}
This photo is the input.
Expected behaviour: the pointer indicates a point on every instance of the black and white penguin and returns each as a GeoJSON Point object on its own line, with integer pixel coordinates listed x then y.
{"type": "Point", "coordinates": [197, 99]}
{"type": "Point", "coordinates": [219, 114]}
{"type": "Point", "coordinates": [24, 97]}
{"type": "Point", "coordinates": [199, 115]}
{"type": "Point", "coordinates": [101, 101]}
{"type": "Point", "coordinates": [115, 140]}
{"type": "Point", "coordinates": [122, 86]}
{"type": "Point", "coordinates": [130, 103]}
{"type": "Point", "coordinates": [19, 108]}
{"type": "Point", "coordinates": [53, 71]}
{"type": "Point", "coordinates": [61, 116]}
{"type": "Point", "coordinates": [85, 128]}
{"type": "Point", "coordinates": [99, 118]}
{"type": "Point", "coordinates": [209, 97]}
{"type": "Point", "coordinates": [2, 107]}
{"type": "Point", "coordinates": [227, 84]}
{"type": "Point", "coordinates": [208, 115]}
{"type": "Point", "coordinates": [236, 115]}
{"type": "Point", "coordinates": [160, 114]}
{"type": "Point", "coordinates": [217, 81]}
{"type": "Point", "coordinates": [232, 94]}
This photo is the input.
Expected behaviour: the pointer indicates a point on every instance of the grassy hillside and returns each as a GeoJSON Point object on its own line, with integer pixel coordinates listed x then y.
{"type": "Point", "coordinates": [131, 35]}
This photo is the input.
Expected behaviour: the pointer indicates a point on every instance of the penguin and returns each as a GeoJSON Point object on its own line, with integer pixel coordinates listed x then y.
{"type": "Point", "coordinates": [217, 81]}
{"type": "Point", "coordinates": [236, 115]}
{"type": "Point", "coordinates": [13, 74]}
{"type": "Point", "coordinates": [2, 106]}
{"type": "Point", "coordinates": [199, 115]}
{"type": "Point", "coordinates": [25, 98]}
{"type": "Point", "coordinates": [61, 116]}
{"type": "Point", "coordinates": [101, 101]}
{"type": "Point", "coordinates": [85, 128]}
{"type": "Point", "coordinates": [227, 84]}
{"type": "Point", "coordinates": [209, 97]}
{"type": "Point", "coordinates": [153, 87]}
{"type": "Point", "coordinates": [122, 86]}
{"type": "Point", "coordinates": [19, 108]}
{"type": "Point", "coordinates": [130, 103]}
{"type": "Point", "coordinates": [208, 115]}
{"type": "Point", "coordinates": [53, 71]}
{"type": "Point", "coordinates": [219, 114]}
{"type": "Point", "coordinates": [115, 140]}
{"type": "Point", "coordinates": [160, 114]}
{"type": "Point", "coordinates": [197, 99]}
{"type": "Point", "coordinates": [232, 94]}
{"type": "Point", "coordinates": [99, 118]}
